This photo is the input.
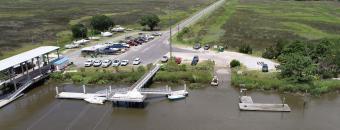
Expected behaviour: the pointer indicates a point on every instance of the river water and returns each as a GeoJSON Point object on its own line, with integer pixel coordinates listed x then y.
{"type": "Point", "coordinates": [205, 109]}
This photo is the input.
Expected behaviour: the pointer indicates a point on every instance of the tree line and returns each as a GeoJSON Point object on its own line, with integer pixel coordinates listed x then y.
{"type": "Point", "coordinates": [303, 61]}
{"type": "Point", "coordinates": [100, 23]}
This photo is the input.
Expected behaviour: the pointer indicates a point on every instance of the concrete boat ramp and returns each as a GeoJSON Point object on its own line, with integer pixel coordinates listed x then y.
{"type": "Point", "coordinates": [247, 104]}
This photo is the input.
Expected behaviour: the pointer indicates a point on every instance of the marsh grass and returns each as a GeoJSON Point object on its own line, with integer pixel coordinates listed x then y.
{"type": "Point", "coordinates": [26, 24]}
{"type": "Point", "coordinates": [271, 81]}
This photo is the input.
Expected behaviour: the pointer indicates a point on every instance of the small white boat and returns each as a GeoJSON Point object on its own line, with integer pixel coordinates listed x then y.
{"type": "Point", "coordinates": [214, 81]}
{"type": "Point", "coordinates": [180, 92]}
{"type": "Point", "coordinates": [95, 100]}
{"type": "Point", "coordinates": [176, 96]}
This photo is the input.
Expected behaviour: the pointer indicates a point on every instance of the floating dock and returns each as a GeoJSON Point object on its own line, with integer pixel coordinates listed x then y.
{"type": "Point", "coordinates": [247, 104]}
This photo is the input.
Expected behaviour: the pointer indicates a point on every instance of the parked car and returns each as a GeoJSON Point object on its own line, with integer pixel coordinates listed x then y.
{"type": "Point", "coordinates": [197, 46]}
{"type": "Point", "coordinates": [136, 61]}
{"type": "Point", "coordinates": [124, 62]}
{"type": "Point", "coordinates": [178, 60]}
{"type": "Point", "coordinates": [157, 34]}
{"type": "Point", "coordinates": [264, 68]}
{"type": "Point", "coordinates": [88, 63]}
{"type": "Point", "coordinates": [116, 63]}
{"type": "Point", "coordinates": [132, 43]}
{"type": "Point", "coordinates": [164, 59]}
{"type": "Point", "coordinates": [106, 63]}
{"type": "Point", "coordinates": [97, 63]}
{"type": "Point", "coordinates": [206, 47]}
{"type": "Point", "coordinates": [194, 60]}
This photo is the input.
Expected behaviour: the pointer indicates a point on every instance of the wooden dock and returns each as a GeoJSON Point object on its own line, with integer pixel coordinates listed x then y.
{"type": "Point", "coordinates": [264, 107]}
{"type": "Point", "coordinates": [247, 104]}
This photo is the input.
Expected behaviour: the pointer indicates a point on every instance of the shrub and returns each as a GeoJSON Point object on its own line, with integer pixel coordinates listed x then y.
{"type": "Point", "coordinates": [234, 63]}
{"type": "Point", "coordinates": [141, 69]}
{"type": "Point", "coordinates": [57, 76]}
{"type": "Point", "coordinates": [79, 31]}
{"type": "Point", "coordinates": [149, 66]}
{"type": "Point", "coordinates": [269, 53]}
{"type": "Point", "coordinates": [245, 48]}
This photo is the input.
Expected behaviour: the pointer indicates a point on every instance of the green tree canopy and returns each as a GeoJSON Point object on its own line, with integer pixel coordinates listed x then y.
{"type": "Point", "coordinates": [101, 22]}
{"type": "Point", "coordinates": [297, 68]}
{"type": "Point", "coordinates": [79, 31]}
{"type": "Point", "coordinates": [150, 20]}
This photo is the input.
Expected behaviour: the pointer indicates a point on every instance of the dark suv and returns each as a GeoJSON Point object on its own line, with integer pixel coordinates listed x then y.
{"type": "Point", "coordinates": [264, 68]}
{"type": "Point", "coordinates": [197, 46]}
{"type": "Point", "coordinates": [194, 60]}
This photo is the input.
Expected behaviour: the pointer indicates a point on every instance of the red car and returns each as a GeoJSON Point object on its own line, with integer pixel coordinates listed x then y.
{"type": "Point", "coordinates": [178, 60]}
{"type": "Point", "coordinates": [132, 43]}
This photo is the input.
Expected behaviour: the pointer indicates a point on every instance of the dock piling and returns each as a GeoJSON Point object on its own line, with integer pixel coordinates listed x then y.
{"type": "Point", "coordinates": [56, 90]}
{"type": "Point", "coordinates": [84, 89]}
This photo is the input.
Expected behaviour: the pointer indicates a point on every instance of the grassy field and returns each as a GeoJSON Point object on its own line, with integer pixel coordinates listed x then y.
{"type": "Point", "coordinates": [263, 22]}
{"type": "Point", "coordinates": [25, 24]}
{"type": "Point", "coordinates": [271, 81]}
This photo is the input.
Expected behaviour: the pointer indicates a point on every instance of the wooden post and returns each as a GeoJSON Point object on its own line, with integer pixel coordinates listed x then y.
{"type": "Point", "coordinates": [84, 90]}
{"type": "Point", "coordinates": [57, 91]}
{"type": "Point", "coordinates": [48, 59]}
{"type": "Point", "coordinates": [22, 69]}
{"type": "Point", "coordinates": [33, 63]}
{"type": "Point", "coordinates": [39, 65]}
{"type": "Point", "coordinates": [14, 82]}
{"type": "Point", "coordinates": [28, 75]}
{"type": "Point", "coordinates": [58, 53]}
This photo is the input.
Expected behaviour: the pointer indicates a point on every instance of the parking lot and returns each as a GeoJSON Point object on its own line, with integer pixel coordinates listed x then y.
{"type": "Point", "coordinates": [132, 51]}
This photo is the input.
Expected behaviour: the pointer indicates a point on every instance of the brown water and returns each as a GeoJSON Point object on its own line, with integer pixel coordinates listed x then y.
{"type": "Point", "coordinates": [209, 108]}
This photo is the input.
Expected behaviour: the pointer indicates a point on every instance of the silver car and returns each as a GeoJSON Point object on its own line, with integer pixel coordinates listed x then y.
{"type": "Point", "coordinates": [97, 63]}
{"type": "Point", "coordinates": [115, 63]}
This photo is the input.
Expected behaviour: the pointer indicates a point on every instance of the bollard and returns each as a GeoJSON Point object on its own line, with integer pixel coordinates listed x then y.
{"type": "Point", "coordinates": [56, 90]}
{"type": "Point", "coordinates": [84, 90]}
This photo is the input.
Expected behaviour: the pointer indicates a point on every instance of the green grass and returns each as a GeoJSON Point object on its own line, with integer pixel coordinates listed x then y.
{"type": "Point", "coordinates": [101, 75]}
{"type": "Point", "coordinates": [209, 29]}
{"type": "Point", "coordinates": [49, 20]}
{"type": "Point", "coordinates": [196, 76]}
{"type": "Point", "coordinates": [271, 81]}
{"type": "Point", "coordinates": [262, 23]}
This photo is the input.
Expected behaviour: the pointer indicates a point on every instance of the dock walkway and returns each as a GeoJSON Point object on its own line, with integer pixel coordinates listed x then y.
{"type": "Point", "coordinates": [247, 104]}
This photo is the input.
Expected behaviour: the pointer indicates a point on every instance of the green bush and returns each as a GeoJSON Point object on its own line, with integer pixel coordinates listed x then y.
{"type": "Point", "coordinates": [57, 76]}
{"type": "Point", "coordinates": [271, 81]}
{"type": "Point", "coordinates": [235, 63]}
{"type": "Point", "coordinates": [141, 69]}
{"type": "Point", "coordinates": [245, 48]}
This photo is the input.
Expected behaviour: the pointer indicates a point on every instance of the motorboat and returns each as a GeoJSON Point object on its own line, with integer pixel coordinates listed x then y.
{"type": "Point", "coordinates": [95, 100]}
{"type": "Point", "coordinates": [214, 81]}
{"type": "Point", "coordinates": [176, 96]}
{"type": "Point", "coordinates": [180, 92]}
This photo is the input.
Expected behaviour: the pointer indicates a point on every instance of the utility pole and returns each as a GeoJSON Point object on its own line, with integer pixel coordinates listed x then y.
{"type": "Point", "coordinates": [170, 23]}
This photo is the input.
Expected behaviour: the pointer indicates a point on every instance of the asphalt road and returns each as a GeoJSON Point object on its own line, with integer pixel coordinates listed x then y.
{"type": "Point", "coordinates": [152, 51]}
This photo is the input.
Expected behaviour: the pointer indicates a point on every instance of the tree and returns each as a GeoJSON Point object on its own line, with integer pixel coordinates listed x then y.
{"type": "Point", "coordinates": [79, 31]}
{"type": "Point", "coordinates": [150, 20]}
{"type": "Point", "coordinates": [297, 67]}
{"type": "Point", "coordinates": [101, 22]}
